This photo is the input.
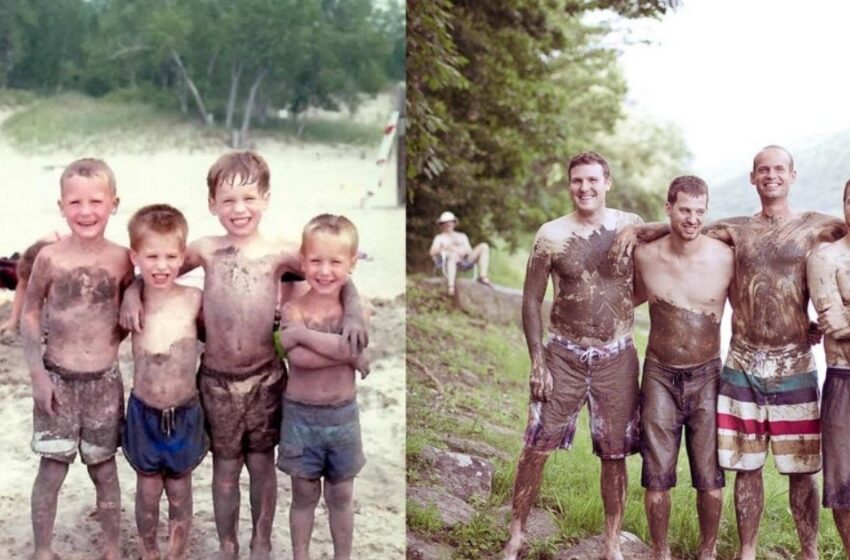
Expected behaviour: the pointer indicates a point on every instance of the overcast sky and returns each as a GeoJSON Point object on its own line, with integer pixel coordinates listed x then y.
{"type": "Point", "coordinates": [740, 74]}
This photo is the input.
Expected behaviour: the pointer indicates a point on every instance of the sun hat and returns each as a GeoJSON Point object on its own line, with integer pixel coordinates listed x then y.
{"type": "Point", "coordinates": [446, 217]}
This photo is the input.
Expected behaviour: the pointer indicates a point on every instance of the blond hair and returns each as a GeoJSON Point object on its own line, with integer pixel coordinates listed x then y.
{"type": "Point", "coordinates": [88, 167]}
{"type": "Point", "coordinates": [333, 224]}
{"type": "Point", "coordinates": [248, 166]}
{"type": "Point", "coordinates": [161, 219]}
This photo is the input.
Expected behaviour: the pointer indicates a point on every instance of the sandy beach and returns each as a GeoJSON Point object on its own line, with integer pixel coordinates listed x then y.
{"type": "Point", "coordinates": [307, 179]}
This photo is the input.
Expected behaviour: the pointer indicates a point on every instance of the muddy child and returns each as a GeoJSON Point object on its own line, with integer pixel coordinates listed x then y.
{"type": "Point", "coordinates": [241, 380]}
{"type": "Point", "coordinates": [164, 437]}
{"type": "Point", "coordinates": [320, 445]}
{"type": "Point", "coordinates": [76, 385]}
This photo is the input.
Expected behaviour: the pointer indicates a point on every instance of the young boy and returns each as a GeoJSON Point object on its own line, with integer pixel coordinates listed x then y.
{"type": "Point", "coordinates": [164, 437]}
{"type": "Point", "coordinates": [23, 270]}
{"type": "Point", "coordinates": [241, 378]}
{"type": "Point", "coordinates": [76, 385]}
{"type": "Point", "coordinates": [320, 435]}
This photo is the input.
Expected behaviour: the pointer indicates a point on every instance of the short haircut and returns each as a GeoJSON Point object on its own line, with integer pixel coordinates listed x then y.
{"type": "Point", "coordinates": [27, 259]}
{"type": "Point", "coordinates": [88, 167]}
{"type": "Point", "coordinates": [161, 219]}
{"type": "Point", "coordinates": [688, 184]}
{"type": "Point", "coordinates": [774, 147]}
{"type": "Point", "coordinates": [333, 224]}
{"type": "Point", "coordinates": [589, 158]}
{"type": "Point", "coordinates": [247, 166]}
{"type": "Point", "coordinates": [846, 186]}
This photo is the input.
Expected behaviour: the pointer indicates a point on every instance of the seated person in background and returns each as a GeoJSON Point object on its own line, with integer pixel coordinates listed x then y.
{"type": "Point", "coordinates": [453, 248]}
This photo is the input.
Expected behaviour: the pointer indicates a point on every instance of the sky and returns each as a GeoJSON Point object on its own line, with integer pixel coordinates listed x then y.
{"type": "Point", "coordinates": [736, 75]}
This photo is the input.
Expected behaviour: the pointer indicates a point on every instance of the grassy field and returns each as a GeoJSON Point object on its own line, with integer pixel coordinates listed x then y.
{"type": "Point", "coordinates": [76, 121]}
{"type": "Point", "coordinates": [492, 410]}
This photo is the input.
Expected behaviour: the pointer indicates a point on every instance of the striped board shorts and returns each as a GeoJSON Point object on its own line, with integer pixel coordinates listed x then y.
{"type": "Point", "coordinates": [769, 396]}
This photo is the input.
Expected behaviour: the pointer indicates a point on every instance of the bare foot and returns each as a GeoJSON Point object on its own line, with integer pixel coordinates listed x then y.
{"type": "Point", "coordinates": [660, 554]}
{"type": "Point", "coordinates": [707, 555]}
{"type": "Point", "coordinates": [151, 555]}
{"type": "Point", "coordinates": [45, 555]}
{"type": "Point", "coordinates": [111, 554]}
{"type": "Point", "coordinates": [612, 551]}
{"type": "Point", "coordinates": [226, 555]}
{"type": "Point", "coordinates": [513, 547]}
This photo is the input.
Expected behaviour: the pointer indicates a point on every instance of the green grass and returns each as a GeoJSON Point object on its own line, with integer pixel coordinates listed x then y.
{"type": "Point", "coordinates": [452, 345]}
{"type": "Point", "coordinates": [121, 121]}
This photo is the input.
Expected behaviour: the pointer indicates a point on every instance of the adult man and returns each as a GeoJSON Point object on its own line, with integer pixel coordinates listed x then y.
{"type": "Point", "coordinates": [452, 249]}
{"type": "Point", "coordinates": [828, 272]}
{"type": "Point", "coordinates": [590, 355]}
{"type": "Point", "coordinates": [769, 386]}
{"type": "Point", "coordinates": [685, 276]}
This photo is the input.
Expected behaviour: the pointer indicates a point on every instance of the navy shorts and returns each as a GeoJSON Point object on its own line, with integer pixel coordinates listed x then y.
{"type": "Point", "coordinates": [320, 441]}
{"type": "Point", "coordinates": [170, 442]}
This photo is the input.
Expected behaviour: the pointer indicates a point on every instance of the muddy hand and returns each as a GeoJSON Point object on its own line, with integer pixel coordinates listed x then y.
{"type": "Point", "coordinates": [623, 245]}
{"type": "Point", "coordinates": [814, 334]}
{"type": "Point", "coordinates": [541, 383]}
{"type": "Point", "coordinates": [131, 315]}
{"type": "Point", "coordinates": [833, 320]}
{"type": "Point", "coordinates": [355, 333]}
{"type": "Point", "coordinates": [45, 397]}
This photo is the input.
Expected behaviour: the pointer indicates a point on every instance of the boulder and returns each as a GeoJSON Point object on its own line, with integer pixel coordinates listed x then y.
{"type": "Point", "coordinates": [451, 509]}
{"type": "Point", "coordinates": [632, 547]}
{"type": "Point", "coordinates": [419, 549]}
{"type": "Point", "coordinates": [463, 475]}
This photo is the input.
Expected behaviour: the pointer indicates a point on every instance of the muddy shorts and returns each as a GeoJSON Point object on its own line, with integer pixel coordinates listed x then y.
{"type": "Point", "coordinates": [670, 399]}
{"type": "Point", "coordinates": [835, 411]}
{"type": "Point", "coordinates": [769, 397]}
{"type": "Point", "coordinates": [606, 377]}
{"type": "Point", "coordinates": [89, 417]}
{"type": "Point", "coordinates": [320, 441]}
{"type": "Point", "coordinates": [242, 411]}
{"type": "Point", "coordinates": [171, 442]}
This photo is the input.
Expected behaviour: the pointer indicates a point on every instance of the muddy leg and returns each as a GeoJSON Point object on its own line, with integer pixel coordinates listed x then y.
{"type": "Point", "coordinates": [179, 492]}
{"type": "Point", "coordinates": [45, 494]}
{"type": "Point", "coordinates": [105, 478]}
{"type": "Point", "coordinates": [339, 497]}
{"type": "Point", "coordinates": [613, 482]}
{"type": "Point", "coordinates": [263, 502]}
{"type": "Point", "coordinates": [805, 508]}
{"type": "Point", "coordinates": [709, 508]}
{"type": "Point", "coordinates": [305, 497]}
{"type": "Point", "coordinates": [842, 523]}
{"type": "Point", "coordinates": [148, 492]}
{"type": "Point", "coordinates": [657, 505]}
{"type": "Point", "coordinates": [225, 490]}
{"type": "Point", "coordinates": [529, 474]}
{"type": "Point", "coordinates": [749, 504]}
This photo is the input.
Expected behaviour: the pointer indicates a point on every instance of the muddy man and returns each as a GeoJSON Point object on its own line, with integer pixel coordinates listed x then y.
{"type": "Point", "coordinates": [685, 277]}
{"type": "Point", "coordinates": [589, 355]}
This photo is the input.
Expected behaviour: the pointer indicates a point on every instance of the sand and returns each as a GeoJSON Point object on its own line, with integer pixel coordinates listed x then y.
{"type": "Point", "coordinates": [306, 180]}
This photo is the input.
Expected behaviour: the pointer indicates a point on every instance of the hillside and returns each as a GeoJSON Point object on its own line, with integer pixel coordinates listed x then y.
{"type": "Point", "coordinates": [822, 170]}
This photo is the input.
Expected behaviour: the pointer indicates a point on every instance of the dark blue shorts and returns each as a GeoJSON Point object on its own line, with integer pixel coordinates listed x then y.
{"type": "Point", "coordinates": [320, 441]}
{"type": "Point", "coordinates": [170, 442]}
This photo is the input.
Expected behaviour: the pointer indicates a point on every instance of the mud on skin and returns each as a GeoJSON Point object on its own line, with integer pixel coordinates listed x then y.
{"type": "Point", "coordinates": [770, 290]}
{"type": "Point", "coordinates": [679, 337]}
{"type": "Point", "coordinates": [593, 295]}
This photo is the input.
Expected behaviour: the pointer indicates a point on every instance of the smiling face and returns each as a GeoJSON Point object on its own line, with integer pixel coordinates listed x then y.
{"type": "Point", "coordinates": [327, 260]}
{"type": "Point", "coordinates": [86, 204]}
{"type": "Point", "coordinates": [686, 215]}
{"type": "Point", "coordinates": [159, 258]}
{"type": "Point", "coordinates": [773, 173]}
{"type": "Point", "coordinates": [239, 207]}
{"type": "Point", "coordinates": [588, 188]}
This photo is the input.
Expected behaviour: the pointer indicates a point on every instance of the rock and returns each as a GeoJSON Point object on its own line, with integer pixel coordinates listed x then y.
{"type": "Point", "coordinates": [632, 547]}
{"type": "Point", "coordinates": [540, 526]}
{"type": "Point", "coordinates": [418, 549]}
{"type": "Point", "coordinates": [497, 304]}
{"type": "Point", "coordinates": [451, 509]}
{"type": "Point", "coordinates": [463, 475]}
{"type": "Point", "coordinates": [473, 447]}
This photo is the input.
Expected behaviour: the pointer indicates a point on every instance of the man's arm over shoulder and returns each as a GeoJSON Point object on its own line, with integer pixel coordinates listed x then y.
{"type": "Point", "coordinates": [829, 228]}
{"type": "Point", "coordinates": [640, 262]}
{"type": "Point", "coordinates": [724, 230]}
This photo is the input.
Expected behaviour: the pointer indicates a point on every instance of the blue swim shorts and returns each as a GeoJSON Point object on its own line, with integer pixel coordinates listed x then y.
{"type": "Point", "coordinates": [320, 441]}
{"type": "Point", "coordinates": [170, 442]}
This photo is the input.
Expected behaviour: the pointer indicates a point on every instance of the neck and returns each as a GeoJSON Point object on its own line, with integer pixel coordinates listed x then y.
{"type": "Point", "coordinates": [241, 240]}
{"type": "Point", "coordinates": [778, 209]}
{"type": "Point", "coordinates": [329, 299]}
{"type": "Point", "coordinates": [684, 247]}
{"type": "Point", "coordinates": [91, 245]}
{"type": "Point", "coordinates": [156, 295]}
{"type": "Point", "coordinates": [595, 218]}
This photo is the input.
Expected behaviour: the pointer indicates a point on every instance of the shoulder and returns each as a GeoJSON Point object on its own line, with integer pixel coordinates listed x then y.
{"type": "Point", "coordinates": [624, 219]}
{"type": "Point", "coordinates": [191, 294]}
{"type": "Point", "coordinates": [291, 312]}
{"type": "Point", "coordinates": [827, 253]}
{"type": "Point", "coordinates": [551, 236]}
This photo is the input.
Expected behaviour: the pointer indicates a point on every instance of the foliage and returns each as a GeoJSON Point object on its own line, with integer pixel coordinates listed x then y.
{"type": "Point", "coordinates": [499, 96]}
{"type": "Point", "coordinates": [230, 62]}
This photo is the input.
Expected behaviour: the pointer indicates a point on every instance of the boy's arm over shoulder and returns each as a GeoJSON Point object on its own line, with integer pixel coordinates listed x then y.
{"type": "Point", "coordinates": [354, 329]}
{"type": "Point", "coordinates": [194, 254]}
{"type": "Point", "coordinates": [43, 390]}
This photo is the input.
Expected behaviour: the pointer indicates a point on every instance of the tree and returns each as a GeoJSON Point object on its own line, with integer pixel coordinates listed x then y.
{"type": "Point", "coordinates": [499, 95]}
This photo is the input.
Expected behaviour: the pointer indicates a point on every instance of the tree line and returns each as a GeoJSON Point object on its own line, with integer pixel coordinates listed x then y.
{"type": "Point", "coordinates": [500, 94]}
{"type": "Point", "coordinates": [224, 61]}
